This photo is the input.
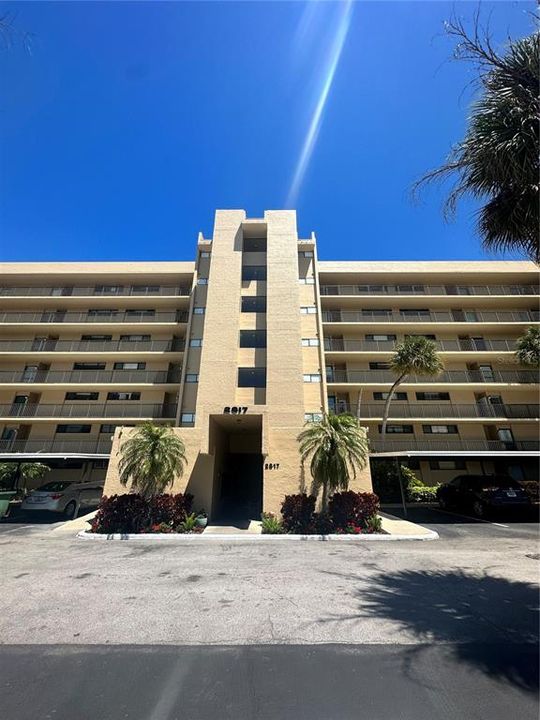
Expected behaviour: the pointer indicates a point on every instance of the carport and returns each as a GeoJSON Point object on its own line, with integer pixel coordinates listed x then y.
{"type": "Point", "coordinates": [497, 457]}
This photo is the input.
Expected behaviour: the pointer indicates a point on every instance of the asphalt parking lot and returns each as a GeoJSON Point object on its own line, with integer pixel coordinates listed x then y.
{"type": "Point", "coordinates": [435, 630]}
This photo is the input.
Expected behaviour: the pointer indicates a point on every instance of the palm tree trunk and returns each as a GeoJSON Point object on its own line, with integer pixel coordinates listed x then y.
{"type": "Point", "coordinates": [324, 499]}
{"type": "Point", "coordinates": [386, 412]}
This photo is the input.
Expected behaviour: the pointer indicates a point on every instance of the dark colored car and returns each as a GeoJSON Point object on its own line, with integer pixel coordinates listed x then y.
{"type": "Point", "coordinates": [482, 494]}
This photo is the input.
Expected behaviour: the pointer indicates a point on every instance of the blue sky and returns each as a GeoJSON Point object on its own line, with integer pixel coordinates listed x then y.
{"type": "Point", "coordinates": [129, 123]}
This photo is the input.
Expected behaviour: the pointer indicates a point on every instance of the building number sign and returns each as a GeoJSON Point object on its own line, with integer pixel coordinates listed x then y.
{"type": "Point", "coordinates": [234, 410]}
{"type": "Point", "coordinates": [271, 466]}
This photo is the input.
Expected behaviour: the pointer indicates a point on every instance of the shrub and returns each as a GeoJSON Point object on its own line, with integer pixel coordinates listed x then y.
{"type": "Point", "coordinates": [352, 508]}
{"type": "Point", "coordinates": [423, 494]}
{"type": "Point", "coordinates": [374, 524]}
{"type": "Point", "coordinates": [131, 513]}
{"type": "Point", "coordinates": [410, 479]}
{"type": "Point", "coordinates": [271, 525]}
{"type": "Point", "coordinates": [298, 513]}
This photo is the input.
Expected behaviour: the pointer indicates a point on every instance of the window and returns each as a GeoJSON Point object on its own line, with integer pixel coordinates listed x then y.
{"type": "Point", "coordinates": [312, 377]}
{"type": "Point", "coordinates": [381, 338]}
{"type": "Point", "coordinates": [135, 338]}
{"type": "Point", "coordinates": [410, 288]}
{"type": "Point", "coordinates": [96, 338]}
{"type": "Point", "coordinates": [254, 244]}
{"type": "Point", "coordinates": [253, 338]}
{"type": "Point", "coordinates": [187, 419]}
{"type": "Point", "coordinates": [202, 281]}
{"type": "Point", "coordinates": [102, 312]}
{"type": "Point", "coordinates": [310, 342]}
{"type": "Point", "coordinates": [123, 396]}
{"type": "Point", "coordinates": [252, 377]}
{"type": "Point", "coordinates": [140, 313]}
{"type": "Point", "coordinates": [440, 429]}
{"type": "Point", "coordinates": [100, 464]}
{"type": "Point", "coordinates": [204, 254]}
{"type": "Point", "coordinates": [372, 288]}
{"type": "Point", "coordinates": [398, 429]}
{"type": "Point", "coordinates": [308, 310]}
{"type": "Point", "coordinates": [192, 378]}
{"type": "Point", "coordinates": [129, 365]}
{"type": "Point", "coordinates": [73, 429]}
{"type": "Point", "coordinates": [432, 396]}
{"type": "Point", "coordinates": [145, 288]}
{"type": "Point", "coordinates": [195, 342]}
{"type": "Point", "coordinates": [257, 303]}
{"type": "Point", "coordinates": [313, 417]}
{"type": "Point", "coordinates": [253, 272]}
{"type": "Point", "coordinates": [447, 464]}
{"type": "Point", "coordinates": [306, 253]}
{"type": "Point", "coordinates": [198, 311]}
{"type": "Point", "coordinates": [379, 365]}
{"type": "Point", "coordinates": [108, 289]}
{"type": "Point", "coordinates": [413, 312]}
{"type": "Point", "coordinates": [382, 312]}
{"type": "Point", "coordinates": [109, 429]}
{"type": "Point", "coordinates": [82, 395]}
{"type": "Point", "coordinates": [307, 281]}
{"type": "Point", "coordinates": [384, 395]}
{"type": "Point", "coordinates": [89, 366]}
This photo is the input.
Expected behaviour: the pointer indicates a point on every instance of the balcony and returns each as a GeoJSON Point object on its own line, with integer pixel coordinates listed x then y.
{"type": "Point", "coordinates": [89, 377]}
{"type": "Point", "coordinates": [52, 345]}
{"type": "Point", "coordinates": [99, 445]}
{"type": "Point", "coordinates": [88, 410]}
{"type": "Point", "coordinates": [119, 291]}
{"type": "Point", "coordinates": [443, 445]}
{"type": "Point", "coordinates": [416, 289]}
{"type": "Point", "coordinates": [116, 316]}
{"type": "Point", "coordinates": [449, 376]}
{"type": "Point", "coordinates": [440, 410]}
{"type": "Point", "coordinates": [367, 316]}
{"type": "Point", "coordinates": [466, 344]}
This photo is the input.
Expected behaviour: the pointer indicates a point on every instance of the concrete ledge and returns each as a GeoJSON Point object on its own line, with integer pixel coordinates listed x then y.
{"type": "Point", "coordinates": [246, 537]}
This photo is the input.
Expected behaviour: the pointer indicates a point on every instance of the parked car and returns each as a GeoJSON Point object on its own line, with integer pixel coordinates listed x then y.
{"type": "Point", "coordinates": [482, 493]}
{"type": "Point", "coordinates": [63, 496]}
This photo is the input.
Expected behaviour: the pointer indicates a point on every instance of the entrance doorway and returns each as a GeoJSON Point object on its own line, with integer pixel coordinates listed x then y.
{"type": "Point", "coordinates": [236, 443]}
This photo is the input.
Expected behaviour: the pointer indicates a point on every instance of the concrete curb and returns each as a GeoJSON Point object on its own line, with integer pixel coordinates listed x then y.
{"type": "Point", "coordinates": [182, 538]}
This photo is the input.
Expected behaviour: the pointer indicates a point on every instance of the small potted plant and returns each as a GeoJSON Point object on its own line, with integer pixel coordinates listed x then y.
{"type": "Point", "coordinates": [202, 518]}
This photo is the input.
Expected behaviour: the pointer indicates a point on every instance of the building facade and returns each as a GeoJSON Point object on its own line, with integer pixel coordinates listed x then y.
{"type": "Point", "coordinates": [239, 348]}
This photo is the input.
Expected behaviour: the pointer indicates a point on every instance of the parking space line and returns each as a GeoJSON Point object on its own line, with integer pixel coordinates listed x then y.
{"type": "Point", "coordinates": [22, 527]}
{"type": "Point", "coordinates": [471, 517]}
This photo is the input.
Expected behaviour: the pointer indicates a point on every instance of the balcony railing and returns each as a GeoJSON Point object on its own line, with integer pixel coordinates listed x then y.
{"type": "Point", "coordinates": [89, 377]}
{"type": "Point", "coordinates": [440, 410]}
{"type": "Point", "coordinates": [119, 291]}
{"type": "Point", "coordinates": [359, 316]}
{"type": "Point", "coordinates": [449, 376]}
{"type": "Point", "coordinates": [51, 345]}
{"type": "Point", "coordinates": [68, 409]}
{"type": "Point", "coordinates": [417, 289]}
{"type": "Point", "coordinates": [99, 445]}
{"type": "Point", "coordinates": [469, 344]}
{"type": "Point", "coordinates": [118, 316]}
{"type": "Point", "coordinates": [443, 445]}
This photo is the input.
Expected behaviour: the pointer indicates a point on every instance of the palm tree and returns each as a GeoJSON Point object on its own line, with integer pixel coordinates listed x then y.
{"type": "Point", "coordinates": [415, 355]}
{"type": "Point", "coordinates": [497, 160]}
{"type": "Point", "coordinates": [152, 457]}
{"type": "Point", "coordinates": [528, 347]}
{"type": "Point", "coordinates": [12, 471]}
{"type": "Point", "coordinates": [338, 447]}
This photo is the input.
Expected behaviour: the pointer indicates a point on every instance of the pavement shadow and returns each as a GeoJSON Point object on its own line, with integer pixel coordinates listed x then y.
{"type": "Point", "coordinates": [490, 623]}
{"type": "Point", "coordinates": [436, 516]}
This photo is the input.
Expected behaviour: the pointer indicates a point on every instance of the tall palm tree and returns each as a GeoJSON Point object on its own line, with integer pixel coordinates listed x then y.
{"type": "Point", "coordinates": [12, 471]}
{"type": "Point", "coordinates": [497, 160]}
{"type": "Point", "coordinates": [415, 355]}
{"type": "Point", "coordinates": [337, 446]}
{"type": "Point", "coordinates": [151, 458]}
{"type": "Point", "coordinates": [528, 347]}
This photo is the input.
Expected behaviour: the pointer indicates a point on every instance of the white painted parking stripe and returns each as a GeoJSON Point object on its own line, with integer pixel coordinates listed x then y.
{"type": "Point", "coordinates": [471, 517]}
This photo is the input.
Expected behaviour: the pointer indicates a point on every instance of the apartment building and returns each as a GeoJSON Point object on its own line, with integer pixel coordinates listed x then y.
{"type": "Point", "coordinates": [239, 348]}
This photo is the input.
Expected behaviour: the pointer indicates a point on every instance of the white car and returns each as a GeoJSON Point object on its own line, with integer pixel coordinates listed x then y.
{"type": "Point", "coordinates": [63, 496]}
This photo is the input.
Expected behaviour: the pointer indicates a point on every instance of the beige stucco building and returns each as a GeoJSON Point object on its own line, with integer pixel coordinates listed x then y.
{"type": "Point", "coordinates": [239, 348]}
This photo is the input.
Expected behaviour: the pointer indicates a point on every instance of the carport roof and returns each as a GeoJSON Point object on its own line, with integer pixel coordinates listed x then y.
{"type": "Point", "coordinates": [53, 456]}
{"type": "Point", "coordinates": [458, 453]}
